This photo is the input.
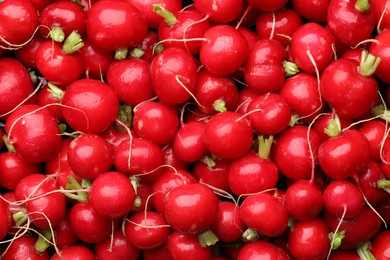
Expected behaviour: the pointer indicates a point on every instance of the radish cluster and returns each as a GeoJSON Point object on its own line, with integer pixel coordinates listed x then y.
{"type": "Point", "coordinates": [218, 129]}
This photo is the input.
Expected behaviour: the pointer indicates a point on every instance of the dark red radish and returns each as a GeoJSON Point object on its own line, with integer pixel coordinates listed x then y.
{"type": "Point", "coordinates": [173, 73]}
{"type": "Point", "coordinates": [90, 106]}
{"type": "Point", "coordinates": [263, 213]}
{"type": "Point", "coordinates": [215, 93]}
{"type": "Point", "coordinates": [23, 247]}
{"type": "Point", "coordinates": [116, 247]}
{"type": "Point", "coordinates": [187, 246]}
{"type": "Point", "coordinates": [170, 158]}
{"type": "Point", "coordinates": [33, 132]}
{"type": "Point", "coordinates": [81, 252]}
{"type": "Point", "coordinates": [312, 10]}
{"type": "Point", "coordinates": [139, 157]}
{"type": "Point", "coordinates": [89, 155]}
{"type": "Point", "coordinates": [148, 46]}
{"type": "Point", "coordinates": [26, 54]}
{"type": "Point", "coordinates": [292, 153]}
{"type": "Point", "coordinates": [5, 218]}
{"type": "Point", "coordinates": [330, 124]}
{"type": "Point", "coordinates": [191, 208]}
{"type": "Point", "coordinates": [250, 36]}
{"type": "Point", "coordinates": [116, 26]}
{"type": "Point", "coordinates": [349, 87]}
{"type": "Point", "coordinates": [161, 252]}
{"type": "Point", "coordinates": [381, 9]}
{"type": "Point", "coordinates": [18, 21]}
{"type": "Point", "coordinates": [63, 233]}
{"type": "Point", "coordinates": [45, 205]}
{"type": "Point", "coordinates": [380, 246]}
{"type": "Point", "coordinates": [220, 11]}
{"type": "Point", "coordinates": [265, 50]}
{"type": "Point", "coordinates": [262, 249]}
{"type": "Point", "coordinates": [88, 225]}
{"type": "Point", "coordinates": [131, 80]}
{"type": "Point", "coordinates": [41, 4]}
{"type": "Point", "coordinates": [379, 49]}
{"type": "Point", "coordinates": [60, 18]}
{"type": "Point", "coordinates": [57, 66]}
{"type": "Point", "coordinates": [228, 135]}
{"type": "Point", "coordinates": [344, 155]}
{"type": "Point", "coordinates": [146, 229]}
{"type": "Point", "coordinates": [279, 25]}
{"type": "Point", "coordinates": [114, 135]}
{"type": "Point", "coordinates": [223, 42]}
{"type": "Point", "coordinates": [267, 6]}
{"type": "Point", "coordinates": [245, 96]}
{"type": "Point", "coordinates": [350, 21]}
{"type": "Point", "coordinates": [301, 93]}
{"type": "Point", "coordinates": [165, 183]}
{"type": "Point", "coordinates": [214, 173]}
{"type": "Point", "coordinates": [17, 86]}
{"type": "Point", "coordinates": [374, 131]}
{"type": "Point", "coordinates": [311, 47]}
{"type": "Point", "coordinates": [340, 254]}
{"type": "Point", "coordinates": [183, 29]}
{"type": "Point", "coordinates": [309, 239]}
{"type": "Point", "coordinates": [156, 121]}
{"type": "Point", "coordinates": [228, 227]}
{"type": "Point", "coordinates": [46, 97]}
{"type": "Point", "coordinates": [303, 200]}
{"type": "Point", "coordinates": [144, 192]}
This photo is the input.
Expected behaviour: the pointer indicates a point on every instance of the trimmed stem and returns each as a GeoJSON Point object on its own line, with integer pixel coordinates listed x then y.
{"type": "Point", "coordinates": [73, 43]}
{"type": "Point", "coordinates": [362, 6]}
{"type": "Point", "coordinates": [20, 218]}
{"type": "Point", "coordinates": [219, 105]}
{"type": "Point", "coordinates": [137, 53]}
{"type": "Point", "coordinates": [208, 161]}
{"type": "Point", "coordinates": [158, 48]}
{"type": "Point", "coordinates": [364, 252]}
{"type": "Point", "coordinates": [207, 238]}
{"type": "Point", "coordinates": [250, 235]}
{"type": "Point", "coordinates": [55, 91]}
{"type": "Point", "coordinates": [9, 146]}
{"type": "Point", "coordinates": [78, 2]}
{"type": "Point", "coordinates": [336, 239]}
{"type": "Point", "coordinates": [290, 68]}
{"type": "Point", "coordinates": [57, 34]}
{"type": "Point", "coordinates": [384, 184]}
{"type": "Point", "coordinates": [121, 53]}
{"type": "Point", "coordinates": [334, 127]}
{"type": "Point", "coordinates": [368, 64]}
{"type": "Point", "coordinates": [125, 116]}
{"type": "Point", "coordinates": [42, 242]}
{"type": "Point", "coordinates": [169, 18]}
{"type": "Point", "coordinates": [264, 146]}
{"type": "Point", "coordinates": [135, 182]}
{"type": "Point", "coordinates": [294, 120]}
{"type": "Point", "coordinates": [75, 185]}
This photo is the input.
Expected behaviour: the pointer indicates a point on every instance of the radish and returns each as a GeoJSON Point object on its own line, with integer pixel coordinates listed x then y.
{"type": "Point", "coordinates": [64, 235]}
{"type": "Point", "coordinates": [374, 131]}
{"type": "Point", "coordinates": [48, 99]}
{"type": "Point", "coordinates": [380, 9]}
{"type": "Point", "coordinates": [381, 245]}
{"type": "Point", "coordinates": [221, 11]}
{"type": "Point", "coordinates": [267, 6]}
{"type": "Point", "coordinates": [26, 54]}
{"type": "Point", "coordinates": [379, 49]}
{"type": "Point", "coordinates": [170, 158]}
{"type": "Point", "coordinates": [187, 246]}
{"type": "Point", "coordinates": [80, 251]}
{"type": "Point", "coordinates": [313, 10]}
{"type": "Point", "coordinates": [5, 219]}
{"type": "Point", "coordinates": [161, 252]}
{"type": "Point", "coordinates": [23, 248]}
{"type": "Point", "coordinates": [260, 249]}
{"type": "Point", "coordinates": [214, 173]}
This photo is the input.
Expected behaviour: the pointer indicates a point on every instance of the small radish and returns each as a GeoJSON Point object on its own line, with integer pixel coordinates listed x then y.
{"type": "Point", "coordinates": [215, 173]}
{"type": "Point", "coordinates": [34, 133]}
{"type": "Point", "coordinates": [228, 135]}
{"type": "Point", "coordinates": [64, 235]}
{"type": "Point", "coordinates": [91, 106]}
{"type": "Point", "coordinates": [147, 229]}
{"type": "Point", "coordinates": [313, 10]}
{"type": "Point", "coordinates": [112, 194]}
{"type": "Point", "coordinates": [262, 249]}
{"type": "Point", "coordinates": [72, 252]}
{"type": "Point", "coordinates": [170, 158]}
{"type": "Point", "coordinates": [187, 246]}
{"type": "Point", "coordinates": [5, 218]}
{"type": "Point", "coordinates": [374, 131]}
{"type": "Point", "coordinates": [116, 247]}
{"type": "Point", "coordinates": [381, 9]}
{"type": "Point", "coordinates": [220, 11]}
{"type": "Point", "coordinates": [26, 54]}
{"type": "Point", "coordinates": [23, 247]}
{"type": "Point", "coordinates": [267, 6]}
{"type": "Point", "coordinates": [380, 246]}
{"type": "Point", "coordinates": [327, 123]}
{"type": "Point", "coordinates": [379, 49]}
{"type": "Point", "coordinates": [161, 252]}
{"type": "Point", "coordinates": [223, 42]}
{"type": "Point", "coordinates": [47, 98]}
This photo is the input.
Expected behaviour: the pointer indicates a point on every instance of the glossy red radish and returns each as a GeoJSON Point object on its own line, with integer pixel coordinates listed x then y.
{"type": "Point", "coordinates": [220, 11]}
{"type": "Point", "coordinates": [47, 98]}
{"type": "Point", "coordinates": [161, 252]}
{"type": "Point", "coordinates": [5, 218]}
{"type": "Point", "coordinates": [380, 246]}
{"type": "Point", "coordinates": [214, 172]}
{"type": "Point", "coordinates": [187, 246]}
{"type": "Point", "coordinates": [23, 248]}
{"type": "Point", "coordinates": [75, 251]}
{"type": "Point", "coordinates": [312, 10]}
{"type": "Point", "coordinates": [379, 49]}
{"type": "Point", "coordinates": [267, 6]}
{"type": "Point", "coordinates": [90, 106]}
{"type": "Point", "coordinates": [63, 233]}
{"type": "Point", "coordinates": [381, 12]}
{"type": "Point", "coordinates": [26, 127]}
{"type": "Point", "coordinates": [374, 131]}
{"type": "Point", "coordinates": [26, 54]}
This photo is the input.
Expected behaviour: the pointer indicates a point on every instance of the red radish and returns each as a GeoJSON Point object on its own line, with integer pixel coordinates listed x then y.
{"type": "Point", "coordinates": [191, 208]}
{"type": "Point", "coordinates": [213, 173]}
{"type": "Point", "coordinates": [118, 247]}
{"type": "Point", "coordinates": [23, 248]}
{"type": "Point", "coordinates": [267, 6]}
{"type": "Point", "coordinates": [245, 96]}
{"type": "Point", "coordinates": [183, 29]}
{"type": "Point", "coordinates": [45, 207]}
{"type": "Point", "coordinates": [223, 42]}
{"type": "Point", "coordinates": [60, 19]}
{"type": "Point", "coordinates": [269, 114]}
{"type": "Point", "coordinates": [344, 155]}
{"type": "Point", "coordinates": [312, 10]}
{"type": "Point", "coordinates": [161, 252]}
{"type": "Point", "coordinates": [263, 213]}
{"type": "Point", "coordinates": [27, 127]}
{"type": "Point", "coordinates": [253, 172]}
{"type": "Point", "coordinates": [265, 50]}
{"type": "Point", "coordinates": [215, 93]}
{"type": "Point", "coordinates": [115, 136]}
{"type": "Point", "coordinates": [173, 73]}
{"type": "Point", "coordinates": [26, 54]}
{"type": "Point", "coordinates": [345, 17]}
{"type": "Point", "coordinates": [63, 233]}
{"type": "Point", "coordinates": [381, 9]}
{"type": "Point", "coordinates": [41, 4]}
{"type": "Point", "coordinates": [309, 239]}
{"type": "Point", "coordinates": [147, 229]}
{"type": "Point", "coordinates": [46, 97]}
{"type": "Point", "coordinates": [379, 49]}
{"type": "Point", "coordinates": [291, 152]}
{"type": "Point", "coordinates": [228, 227]}
{"type": "Point", "coordinates": [250, 36]}
{"type": "Point", "coordinates": [156, 121]}
{"type": "Point", "coordinates": [170, 158]}
{"type": "Point", "coordinates": [380, 247]}
{"type": "Point", "coordinates": [311, 40]}
{"type": "Point", "coordinates": [303, 200]}
{"type": "Point", "coordinates": [350, 201]}
{"type": "Point", "coordinates": [374, 131]}
{"type": "Point", "coordinates": [95, 60]}
{"type": "Point", "coordinates": [90, 155]}
{"type": "Point", "coordinates": [116, 26]}
{"type": "Point", "coordinates": [341, 254]}
{"type": "Point", "coordinates": [342, 78]}
{"type": "Point", "coordinates": [188, 144]}
{"type": "Point", "coordinates": [139, 157]}
{"type": "Point", "coordinates": [88, 225]}
{"type": "Point", "coordinates": [144, 192]}
{"type": "Point", "coordinates": [104, 192]}
{"type": "Point", "coordinates": [91, 106]}
{"type": "Point", "coordinates": [5, 218]}
{"type": "Point", "coordinates": [165, 183]}
{"type": "Point", "coordinates": [187, 246]}
{"type": "Point", "coordinates": [228, 135]}
{"type": "Point", "coordinates": [261, 249]}
{"type": "Point", "coordinates": [18, 22]}
{"type": "Point", "coordinates": [74, 252]}
{"type": "Point", "coordinates": [148, 46]}
{"type": "Point", "coordinates": [131, 80]}
{"type": "Point", "coordinates": [279, 25]}
{"type": "Point", "coordinates": [301, 93]}
{"type": "Point", "coordinates": [16, 86]}
{"type": "Point", "coordinates": [221, 11]}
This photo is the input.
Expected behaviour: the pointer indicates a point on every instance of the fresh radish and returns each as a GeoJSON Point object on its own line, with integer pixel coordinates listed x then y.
{"type": "Point", "coordinates": [5, 217]}
{"type": "Point", "coordinates": [64, 235]}
{"type": "Point", "coordinates": [381, 9]}
{"type": "Point", "coordinates": [313, 10]}
{"type": "Point", "coordinates": [327, 123]}
{"type": "Point", "coordinates": [380, 246]}
{"type": "Point", "coordinates": [161, 252]}
{"type": "Point", "coordinates": [262, 249]}
{"type": "Point", "coordinates": [214, 172]}
{"type": "Point", "coordinates": [23, 247]}
{"type": "Point", "coordinates": [170, 158]}
{"type": "Point", "coordinates": [374, 131]}
{"type": "Point", "coordinates": [267, 6]}
{"type": "Point", "coordinates": [26, 54]}
{"type": "Point", "coordinates": [379, 49]}
{"type": "Point", "coordinates": [187, 246]}
{"type": "Point", "coordinates": [48, 99]}
{"type": "Point", "coordinates": [221, 11]}
{"type": "Point", "coordinates": [79, 251]}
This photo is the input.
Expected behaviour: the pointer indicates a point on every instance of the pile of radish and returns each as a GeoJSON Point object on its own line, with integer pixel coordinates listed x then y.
{"type": "Point", "coordinates": [205, 129]}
